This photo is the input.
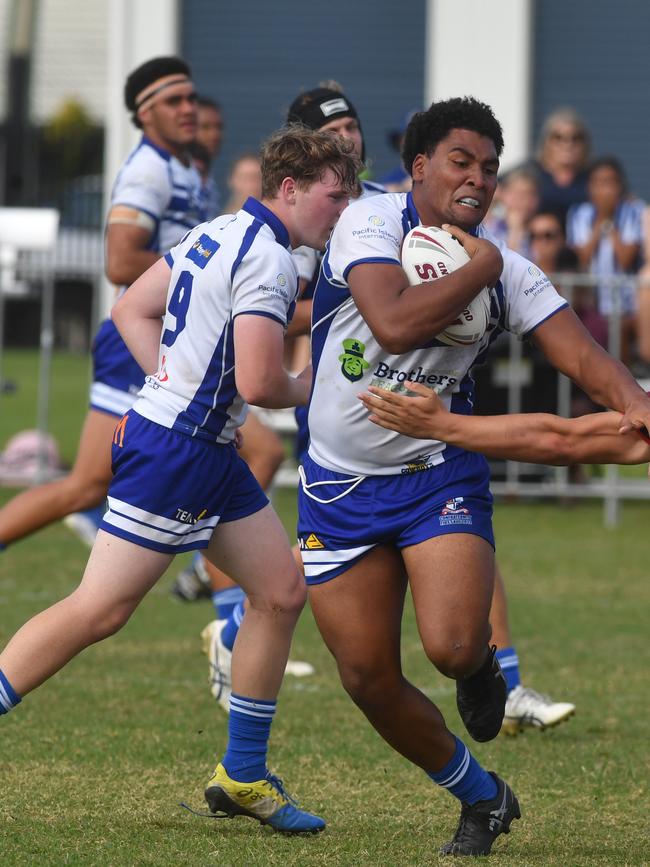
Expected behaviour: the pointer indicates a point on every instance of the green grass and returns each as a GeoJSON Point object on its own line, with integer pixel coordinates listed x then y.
{"type": "Point", "coordinates": [94, 763]}
{"type": "Point", "coordinates": [70, 380]}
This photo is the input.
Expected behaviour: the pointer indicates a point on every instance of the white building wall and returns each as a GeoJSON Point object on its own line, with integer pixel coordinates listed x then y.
{"type": "Point", "coordinates": [69, 60]}
{"type": "Point", "coordinates": [482, 48]}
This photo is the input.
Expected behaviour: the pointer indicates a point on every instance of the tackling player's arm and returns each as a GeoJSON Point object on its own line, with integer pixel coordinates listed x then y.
{"type": "Point", "coordinates": [138, 315]}
{"type": "Point", "coordinates": [534, 437]}
{"type": "Point", "coordinates": [301, 320]}
{"type": "Point", "coordinates": [569, 347]}
{"type": "Point", "coordinates": [404, 317]}
{"type": "Point", "coordinates": [259, 372]}
{"type": "Point", "coordinates": [128, 233]}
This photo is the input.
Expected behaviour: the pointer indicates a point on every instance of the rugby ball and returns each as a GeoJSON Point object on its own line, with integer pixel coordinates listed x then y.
{"type": "Point", "coordinates": [429, 253]}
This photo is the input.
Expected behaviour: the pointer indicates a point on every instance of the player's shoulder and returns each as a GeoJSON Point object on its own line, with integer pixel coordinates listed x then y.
{"type": "Point", "coordinates": [510, 257]}
{"type": "Point", "coordinates": [371, 188]}
{"type": "Point", "coordinates": [518, 271]}
{"type": "Point", "coordinates": [145, 167]}
{"type": "Point", "coordinates": [373, 211]}
{"type": "Point", "coordinates": [266, 249]}
{"type": "Point", "coordinates": [147, 155]}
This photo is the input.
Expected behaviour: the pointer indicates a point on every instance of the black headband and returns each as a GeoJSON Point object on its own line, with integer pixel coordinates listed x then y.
{"type": "Point", "coordinates": [141, 99]}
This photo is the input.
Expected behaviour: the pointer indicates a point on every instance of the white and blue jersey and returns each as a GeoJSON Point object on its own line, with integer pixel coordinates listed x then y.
{"type": "Point", "coordinates": [171, 194]}
{"type": "Point", "coordinates": [362, 485]}
{"type": "Point", "coordinates": [157, 183]}
{"type": "Point", "coordinates": [176, 470]}
{"type": "Point", "coordinates": [347, 358]}
{"type": "Point", "coordinates": [236, 264]}
{"type": "Point", "coordinates": [308, 263]}
{"type": "Point", "coordinates": [628, 220]}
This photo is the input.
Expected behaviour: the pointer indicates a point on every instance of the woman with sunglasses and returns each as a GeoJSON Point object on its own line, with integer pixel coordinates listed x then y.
{"type": "Point", "coordinates": [562, 157]}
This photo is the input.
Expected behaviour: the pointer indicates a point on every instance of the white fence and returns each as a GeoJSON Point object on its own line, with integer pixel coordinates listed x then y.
{"type": "Point", "coordinates": [80, 256]}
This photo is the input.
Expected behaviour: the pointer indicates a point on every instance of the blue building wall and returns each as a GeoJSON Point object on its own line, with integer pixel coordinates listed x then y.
{"type": "Point", "coordinates": [255, 57]}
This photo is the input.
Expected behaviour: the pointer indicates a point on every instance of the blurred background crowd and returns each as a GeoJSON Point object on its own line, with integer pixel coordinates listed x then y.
{"type": "Point", "coordinates": [575, 204]}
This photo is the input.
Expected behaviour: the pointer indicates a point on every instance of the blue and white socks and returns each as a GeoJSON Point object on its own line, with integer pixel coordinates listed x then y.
{"type": "Point", "coordinates": [9, 698]}
{"type": "Point", "coordinates": [464, 777]}
{"type": "Point", "coordinates": [509, 662]}
{"type": "Point", "coordinates": [225, 601]}
{"type": "Point", "coordinates": [249, 727]}
{"type": "Point", "coordinates": [230, 630]}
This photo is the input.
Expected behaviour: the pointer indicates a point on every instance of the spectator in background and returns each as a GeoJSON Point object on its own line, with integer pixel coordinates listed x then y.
{"type": "Point", "coordinates": [244, 180]}
{"type": "Point", "coordinates": [518, 201]}
{"type": "Point", "coordinates": [207, 147]}
{"type": "Point", "coordinates": [643, 295]}
{"type": "Point", "coordinates": [210, 125]}
{"type": "Point", "coordinates": [606, 233]}
{"type": "Point", "coordinates": [549, 251]}
{"type": "Point", "coordinates": [398, 180]}
{"type": "Point", "coordinates": [562, 156]}
{"type": "Point", "coordinates": [548, 248]}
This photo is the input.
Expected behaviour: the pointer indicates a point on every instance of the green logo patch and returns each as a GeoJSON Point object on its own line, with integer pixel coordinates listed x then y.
{"type": "Point", "coordinates": [352, 361]}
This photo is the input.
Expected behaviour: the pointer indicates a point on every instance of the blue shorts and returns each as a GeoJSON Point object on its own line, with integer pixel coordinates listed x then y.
{"type": "Point", "coordinates": [117, 376]}
{"type": "Point", "coordinates": [169, 490]}
{"type": "Point", "coordinates": [397, 510]}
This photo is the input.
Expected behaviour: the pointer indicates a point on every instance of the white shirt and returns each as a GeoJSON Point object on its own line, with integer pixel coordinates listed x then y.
{"type": "Point", "coordinates": [235, 264]}
{"type": "Point", "coordinates": [628, 219]}
{"type": "Point", "coordinates": [347, 358]}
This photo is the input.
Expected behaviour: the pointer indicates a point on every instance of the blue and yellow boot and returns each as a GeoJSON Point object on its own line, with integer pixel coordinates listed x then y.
{"type": "Point", "coordinates": [265, 800]}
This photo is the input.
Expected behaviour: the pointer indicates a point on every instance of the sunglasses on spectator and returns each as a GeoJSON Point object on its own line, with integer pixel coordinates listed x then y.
{"type": "Point", "coordinates": [547, 235]}
{"type": "Point", "coordinates": [566, 137]}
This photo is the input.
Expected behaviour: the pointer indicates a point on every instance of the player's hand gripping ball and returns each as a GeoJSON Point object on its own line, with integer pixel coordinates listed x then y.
{"type": "Point", "coordinates": [429, 253]}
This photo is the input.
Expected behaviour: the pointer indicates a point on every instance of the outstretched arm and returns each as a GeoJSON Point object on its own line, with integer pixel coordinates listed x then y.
{"type": "Point", "coordinates": [534, 437]}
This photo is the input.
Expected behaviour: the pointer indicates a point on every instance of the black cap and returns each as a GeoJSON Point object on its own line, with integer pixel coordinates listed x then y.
{"type": "Point", "coordinates": [314, 108]}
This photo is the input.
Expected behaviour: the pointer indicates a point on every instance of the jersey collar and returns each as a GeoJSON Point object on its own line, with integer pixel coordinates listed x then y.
{"type": "Point", "coordinates": [163, 153]}
{"type": "Point", "coordinates": [261, 212]}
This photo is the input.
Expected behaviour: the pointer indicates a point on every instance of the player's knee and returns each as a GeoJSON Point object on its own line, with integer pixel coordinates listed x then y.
{"type": "Point", "coordinates": [101, 618]}
{"type": "Point", "coordinates": [458, 656]}
{"type": "Point", "coordinates": [110, 620]}
{"type": "Point", "coordinates": [287, 600]}
{"type": "Point", "coordinates": [369, 687]}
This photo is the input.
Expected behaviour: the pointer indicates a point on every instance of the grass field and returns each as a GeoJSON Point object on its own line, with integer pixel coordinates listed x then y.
{"type": "Point", "coordinates": [93, 764]}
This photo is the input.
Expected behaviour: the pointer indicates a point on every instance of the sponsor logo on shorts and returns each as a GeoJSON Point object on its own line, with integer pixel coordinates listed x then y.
{"type": "Point", "coordinates": [118, 434]}
{"type": "Point", "coordinates": [353, 364]}
{"type": "Point", "coordinates": [187, 517]}
{"type": "Point", "coordinates": [311, 543]}
{"type": "Point", "coordinates": [417, 465]}
{"type": "Point", "coordinates": [454, 512]}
